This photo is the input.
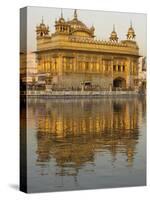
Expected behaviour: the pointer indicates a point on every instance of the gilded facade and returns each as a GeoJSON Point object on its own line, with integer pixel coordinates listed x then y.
{"type": "Point", "coordinates": [71, 58]}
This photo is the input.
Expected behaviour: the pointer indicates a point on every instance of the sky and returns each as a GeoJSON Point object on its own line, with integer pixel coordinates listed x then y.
{"type": "Point", "coordinates": [102, 21]}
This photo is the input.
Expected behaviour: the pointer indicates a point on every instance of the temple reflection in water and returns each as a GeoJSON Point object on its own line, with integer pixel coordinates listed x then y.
{"type": "Point", "coordinates": [71, 132]}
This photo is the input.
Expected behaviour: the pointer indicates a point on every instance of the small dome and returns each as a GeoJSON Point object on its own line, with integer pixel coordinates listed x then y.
{"type": "Point", "coordinates": [131, 30]}
{"type": "Point", "coordinates": [42, 29]}
{"type": "Point", "coordinates": [131, 33]}
{"type": "Point", "coordinates": [92, 28]}
{"type": "Point", "coordinates": [42, 25]}
{"type": "Point", "coordinates": [113, 36]}
{"type": "Point", "coordinates": [61, 20]}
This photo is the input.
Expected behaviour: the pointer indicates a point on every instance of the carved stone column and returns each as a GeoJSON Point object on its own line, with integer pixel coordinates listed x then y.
{"type": "Point", "coordinates": [97, 67]}
{"type": "Point", "coordinates": [111, 67]}
{"type": "Point", "coordinates": [59, 67]}
{"type": "Point", "coordinates": [128, 72]}
{"type": "Point", "coordinates": [103, 66]}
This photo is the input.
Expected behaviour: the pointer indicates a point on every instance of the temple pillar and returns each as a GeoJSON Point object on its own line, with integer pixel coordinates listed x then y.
{"type": "Point", "coordinates": [117, 66]}
{"type": "Point", "coordinates": [84, 66]}
{"type": "Point", "coordinates": [74, 64]}
{"type": "Point", "coordinates": [103, 66]}
{"type": "Point", "coordinates": [43, 66]}
{"type": "Point", "coordinates": [128, 72]}
{"type": "Point", "coordinates": [91, 66]}
{"type": "Point", "coordinates": [121, 66]}
{"type": "Point", "coordinates": [132, 68]}
{"type": "Point", "coordinates": [97, 66]}
{"type": "Point", "coordinates": [46, 65]}
{"type": "Point", "coordinates": [100, 66]}
{"type": "Point", "coordinates": [111, 67]}
{"type": "Point", "coordinates": [59, 66]}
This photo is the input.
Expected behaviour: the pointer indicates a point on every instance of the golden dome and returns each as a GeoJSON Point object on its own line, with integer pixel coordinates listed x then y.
{"type": "Point", "coordinates": [75, 23]}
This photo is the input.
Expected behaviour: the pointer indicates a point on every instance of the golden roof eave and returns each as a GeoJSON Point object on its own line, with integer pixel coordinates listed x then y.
{"type": "Point", "coordinates": [101, 51]}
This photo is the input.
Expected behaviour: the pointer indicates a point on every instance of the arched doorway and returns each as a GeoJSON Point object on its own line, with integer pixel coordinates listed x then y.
{"type": "Point", "coordinates": [86, 85]}
{"type": "Point", "coordinates": [119, 83]}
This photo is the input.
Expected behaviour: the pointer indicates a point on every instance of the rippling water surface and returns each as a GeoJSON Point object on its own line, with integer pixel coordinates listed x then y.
{"type": "Point", "coordinates": [85, 143]}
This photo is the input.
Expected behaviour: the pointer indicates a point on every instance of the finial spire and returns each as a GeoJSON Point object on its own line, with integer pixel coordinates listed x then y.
{"type": "Point", "coordinates": [61, 13]}
{"type": "Point", "coordinates": [75, 14]}
{"type": "Point", "coordinates": [131, 23]}
{"type": "Point", "coordinates": [42, 20]}
{"type": "Point", "coordinates": [114, 27]}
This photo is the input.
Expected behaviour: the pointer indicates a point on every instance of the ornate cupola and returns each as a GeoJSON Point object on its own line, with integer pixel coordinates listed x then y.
{"type": "Point", "coordinates": [61, 26]}
{"type": "Point", "coordinates": [42, 30]}
{"type": "Point", "coordinates": [131, 33]}
{"type": "Point", "coordinates": [113, 36]}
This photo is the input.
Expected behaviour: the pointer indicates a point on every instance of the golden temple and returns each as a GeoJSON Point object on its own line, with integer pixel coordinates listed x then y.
{"type": "Point", "coordinates": [71, 58]}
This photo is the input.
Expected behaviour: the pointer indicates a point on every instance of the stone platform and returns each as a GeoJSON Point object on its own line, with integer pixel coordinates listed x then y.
{"type": "Point", "coordinates": [79, 94]}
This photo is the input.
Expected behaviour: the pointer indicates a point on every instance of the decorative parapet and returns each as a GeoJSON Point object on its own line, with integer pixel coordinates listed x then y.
{"type": "Point", "coordinates": [100, 42]}
{"type": "Point", "coordinates": [88, 44]}
{"type": "Point", "coordinates": [102, 46]}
